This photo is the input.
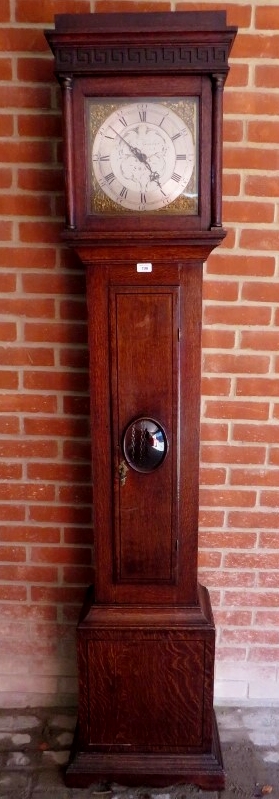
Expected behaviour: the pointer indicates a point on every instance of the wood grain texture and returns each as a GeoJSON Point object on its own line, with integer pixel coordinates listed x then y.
{"type": "Point", "coordinates": [146, 693]}
{"type": "Point", "coordinates": [144, 352]}
{"type": "Point", "coordinates": [149, 690]}
{"type": "Point", "coordinates": [146, 677]}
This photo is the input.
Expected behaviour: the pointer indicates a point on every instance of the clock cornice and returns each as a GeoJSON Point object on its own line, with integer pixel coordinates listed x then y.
{"type": "Point", "coordinates": [199, 44]}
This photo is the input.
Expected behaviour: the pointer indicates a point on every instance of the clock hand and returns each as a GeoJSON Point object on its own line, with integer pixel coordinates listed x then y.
{"type": "Point", "coordinates": [141, 157]}
{"type": "Point", "coordinates": [138, 154]}
{"type": "Point", "coordinates": [155, 176]}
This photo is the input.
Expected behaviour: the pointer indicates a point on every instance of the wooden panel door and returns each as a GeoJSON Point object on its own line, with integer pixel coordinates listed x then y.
{"type": "Point", "coordinates": [146, 694]}
{"type": "Point", "coordinates": [144, 346]}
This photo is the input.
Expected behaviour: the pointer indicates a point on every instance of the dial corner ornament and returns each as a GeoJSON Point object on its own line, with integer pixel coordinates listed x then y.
{"type": "Point", "coordinates": [144, 154]}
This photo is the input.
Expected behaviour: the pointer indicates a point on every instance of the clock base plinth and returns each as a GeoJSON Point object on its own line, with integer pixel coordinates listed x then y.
{"type": "Point", "coordinates": [156, 770]}
{"type": "Point", "coordinates": [146, 697]}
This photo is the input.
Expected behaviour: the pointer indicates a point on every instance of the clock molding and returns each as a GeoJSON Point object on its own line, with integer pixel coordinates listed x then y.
{"type": "Point", "coordinates": [146, 635]}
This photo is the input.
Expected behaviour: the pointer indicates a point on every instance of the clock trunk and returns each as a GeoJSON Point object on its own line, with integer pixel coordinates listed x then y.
{"type": "Point", "coordinates": [144, 339]}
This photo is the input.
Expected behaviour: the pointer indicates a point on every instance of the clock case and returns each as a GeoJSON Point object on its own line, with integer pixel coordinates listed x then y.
{"type": "Point", "coordinates": [146, 633]}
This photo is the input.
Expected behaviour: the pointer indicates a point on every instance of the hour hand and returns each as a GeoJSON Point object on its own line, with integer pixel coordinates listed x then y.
{"type": "Point", "coordinates": [141, 156]}
{"type": "Point", "coordinates": [156, 177]}
{"type": "Point", "coordinates": [135, 150]}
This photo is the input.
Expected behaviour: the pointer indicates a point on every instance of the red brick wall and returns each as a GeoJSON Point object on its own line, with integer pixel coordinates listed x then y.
{"type": "Point", "coordinates": [239, 519]}
{"type": "Point", "coordinates": [45, 510]}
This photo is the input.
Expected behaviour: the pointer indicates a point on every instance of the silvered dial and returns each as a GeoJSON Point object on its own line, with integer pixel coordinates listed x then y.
{"type": "Point", "coordinates": [143, 156]}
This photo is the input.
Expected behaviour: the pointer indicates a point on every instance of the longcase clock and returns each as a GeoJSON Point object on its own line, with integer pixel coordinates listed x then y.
{"type": "Point", "coordinates": [142, 111]}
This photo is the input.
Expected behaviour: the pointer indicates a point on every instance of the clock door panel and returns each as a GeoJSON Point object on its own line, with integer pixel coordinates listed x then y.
{"type": "Point", "coordinates": [149, 690]}
{"type": "Point", "coordinates": [144, 371]}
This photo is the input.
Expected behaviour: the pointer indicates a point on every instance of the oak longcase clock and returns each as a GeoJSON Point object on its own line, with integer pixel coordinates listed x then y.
{"type": "Point", "coordinates": [142, 113]}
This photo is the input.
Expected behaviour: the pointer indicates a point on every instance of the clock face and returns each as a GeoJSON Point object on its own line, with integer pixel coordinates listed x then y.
{"type": "Point", "coordinates": [144, 155]}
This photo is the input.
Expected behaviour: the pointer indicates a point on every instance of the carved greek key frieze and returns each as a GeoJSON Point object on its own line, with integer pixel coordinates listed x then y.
{"type": "Point", "coordinates": [130, 58]}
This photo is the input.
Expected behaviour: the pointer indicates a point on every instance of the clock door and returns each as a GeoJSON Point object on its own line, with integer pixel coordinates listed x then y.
{"type": "Point", "coordinates": [142, 160]}
{"type": "Point", "coordinates": [144, 337]}
{"type": "Point", "coordinates": [169, 718]}
{"type": "Point", "coordinates": [144, 375]}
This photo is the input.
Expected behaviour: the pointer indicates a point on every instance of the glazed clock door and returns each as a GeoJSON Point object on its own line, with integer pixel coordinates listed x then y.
{"type": "Point", "coordinates": [142, 157]}
{"type": "Point", "coordinates": [145, 529]}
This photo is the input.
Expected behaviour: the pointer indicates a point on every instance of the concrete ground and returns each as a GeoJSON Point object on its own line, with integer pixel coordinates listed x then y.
{"type": "Point", "coordinates": [34, 747]}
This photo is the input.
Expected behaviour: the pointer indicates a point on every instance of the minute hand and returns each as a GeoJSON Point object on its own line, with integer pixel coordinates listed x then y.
{"type": "Point", "coordinates": [138, 154]}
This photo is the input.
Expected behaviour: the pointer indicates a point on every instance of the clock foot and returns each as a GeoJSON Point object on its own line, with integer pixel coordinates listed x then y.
{"type": "Point", "coordinates": [140, 768]}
